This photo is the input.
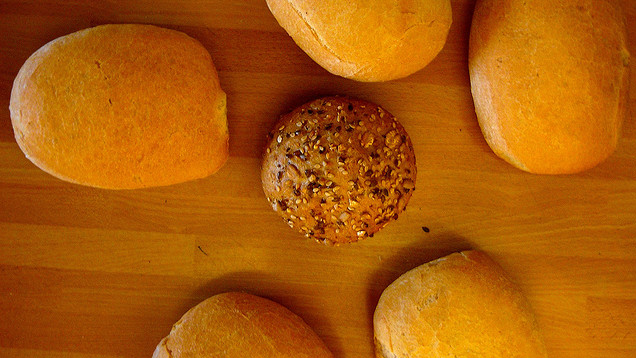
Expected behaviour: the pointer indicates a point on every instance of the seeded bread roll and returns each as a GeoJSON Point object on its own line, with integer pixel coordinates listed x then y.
{"type": "Point", "coordinates": [550, 80]}
{"type": "Point", "coordinates": [461, 305]}
{"type": "Point", "coordinates": [338, 169]}
{"type": "Point", "coordinates": [237, 325]}
{"type": "Point", "coordinates": [121, 107]}
{"type": "Point", "coordinates": [367, 40]}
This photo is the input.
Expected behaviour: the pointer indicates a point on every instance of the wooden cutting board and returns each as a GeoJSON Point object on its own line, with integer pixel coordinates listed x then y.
{"type": "Point", "coordinates": [94, 273]}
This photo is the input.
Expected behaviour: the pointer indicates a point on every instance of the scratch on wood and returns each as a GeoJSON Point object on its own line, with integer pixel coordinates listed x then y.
{"type": "Point", "coordinates": [200, 249]}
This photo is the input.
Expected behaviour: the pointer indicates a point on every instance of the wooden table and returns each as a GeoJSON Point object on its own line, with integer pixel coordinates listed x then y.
{"type": "Point", "coordinates": [94, 273]}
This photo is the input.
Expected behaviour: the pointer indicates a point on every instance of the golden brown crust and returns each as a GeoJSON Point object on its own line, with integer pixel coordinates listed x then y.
{"type": "Point", "coordinates": [121, 107]}
{"type": "Point", "coordinates": [367, 40]}
{"type": "Point", "coordinates": [549, 81]}
{"type": "Point", "coordinates": [237, 325]}
{"type": "Point", "coordinates": [462, 305]}
{"type": "Point", "coordinates": [338, 169]}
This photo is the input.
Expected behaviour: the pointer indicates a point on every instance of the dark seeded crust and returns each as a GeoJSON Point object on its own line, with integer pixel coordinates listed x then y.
{"type": "Point", "coordinates": [338, 169]}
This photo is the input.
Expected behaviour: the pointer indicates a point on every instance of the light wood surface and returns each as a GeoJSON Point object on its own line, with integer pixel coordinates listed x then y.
{"type": "Point", "coordinates": [100, 274]}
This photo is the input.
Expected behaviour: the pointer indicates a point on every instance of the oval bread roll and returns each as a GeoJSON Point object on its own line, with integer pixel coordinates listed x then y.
{"type": "Point", "coordinates": [461, 305]}
{"type": "Point", "coordinates": [237, 325]}
{"type": "Point", "coordinates": [367, 40]}
{"type": "Point", "coordinates": [549, 80]}
{"type": "Point", "coordinates": [121, 107]}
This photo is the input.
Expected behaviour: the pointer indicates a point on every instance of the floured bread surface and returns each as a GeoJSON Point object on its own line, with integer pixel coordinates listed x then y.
{"type": "Point", "coordinates": [461, 305]}
{"type": "Point", "coordinates": [238, 325]}
{"type": "Point", "coordinates": [549, 80]}
{"type": "Point", "coordinates": [121, 107]}
{"type": "Point", "coordinates": [367, 40]}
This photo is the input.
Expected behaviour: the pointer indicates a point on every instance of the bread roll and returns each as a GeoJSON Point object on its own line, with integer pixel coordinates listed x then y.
{"type": "Point", "coordinates": [237, 325]}
{"type": "Point", "coordinates": [367, 40]}
{"type": "Point", "coordinates": [121, 107]}
{"type": "Point", "coordinates": [339, 169]}
{"type": "Point", "coordinates": [549, 81]}
{"type": "Point", "coordinates": [461, 305]}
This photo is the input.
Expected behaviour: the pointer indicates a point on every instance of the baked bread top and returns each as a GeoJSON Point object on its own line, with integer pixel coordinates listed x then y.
{"type": "Point", "coordinates": [549, 81]}
{"type": "Point", "coordinates": [121, 107]}
{"type": "Point", "coordinates": [338, 169]}
{"type": "Point", "coordinates": [461, 305]}
{"type": "Point", "coordinates": [237, 325]}
{"type": "Point", "coordinates": [367, 40]}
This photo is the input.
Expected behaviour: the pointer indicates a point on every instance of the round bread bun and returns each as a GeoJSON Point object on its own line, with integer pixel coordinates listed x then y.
{"type": "Point", "coordinates": [367, 40]}
{"type": "Point", "coordinates": [121, 107]}
{"type": "Point", "coordinates": [461, 305]}
{"type": "Point", "coordinates": [549, 80]}
{"type": "Point", "coordinates": [338, 169]}
{"type": "Point", "coordinates": [238, 325]}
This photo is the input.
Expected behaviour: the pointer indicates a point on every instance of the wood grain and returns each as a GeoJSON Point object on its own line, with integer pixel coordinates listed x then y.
{"type": "Point", "coordinates": [100, 274]}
